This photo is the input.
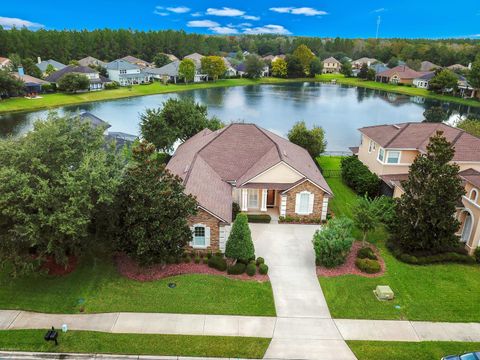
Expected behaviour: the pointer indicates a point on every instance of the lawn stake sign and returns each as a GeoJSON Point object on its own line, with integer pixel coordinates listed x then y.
{"type": "Point", "coordinates": [51, 335]}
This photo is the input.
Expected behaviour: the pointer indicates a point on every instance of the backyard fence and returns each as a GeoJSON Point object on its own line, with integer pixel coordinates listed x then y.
{"type": "Point", "coordinates": [331, 173]}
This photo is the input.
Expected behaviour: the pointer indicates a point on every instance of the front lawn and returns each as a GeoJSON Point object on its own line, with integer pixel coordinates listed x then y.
{"type": "Point", "coordinates": [97, 283]}
{"type": "Point", "coordinates": [380, 350]}
{"type": "Point", "coordinates": [435, 292]}
{"type": "Point", "coordinates": [138, 344]}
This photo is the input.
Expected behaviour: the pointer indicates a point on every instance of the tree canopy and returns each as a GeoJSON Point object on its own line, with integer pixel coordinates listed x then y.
{"type": "Point", "coordinates": [213, 66]}
{"type": "Point", "coordinates": [443, 81]}
{"type": "Point", "coordinates": [305, 57]}
{"type": "Point", "coordinates": [312, 140]}
{"type": "Point", "coordinates": [186, 70]}
{"type": "Point", "coordinates": [279, 68]}
{"type": "Point", "coordinates": [471, 125]}
{"type": "Point", "coordinates": [9, 84]}
{"type": "Point", "coordinates": [435, 114]}
{"type": "Point", "coordinates": [161, 59]}
{"type": "Point", "coordinates": [254, 66]}
{"type": "Point", "coordinates": [71, 82]}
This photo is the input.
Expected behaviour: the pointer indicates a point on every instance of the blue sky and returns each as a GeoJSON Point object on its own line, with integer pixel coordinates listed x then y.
{"type": "Point", "coordinates": [400, 18]}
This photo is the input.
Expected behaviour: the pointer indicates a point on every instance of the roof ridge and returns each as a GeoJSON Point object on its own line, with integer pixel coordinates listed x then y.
{"type": "Point", "coordinates": [396, 135]}
{"type": "Point", "coordinates": [269, 138]}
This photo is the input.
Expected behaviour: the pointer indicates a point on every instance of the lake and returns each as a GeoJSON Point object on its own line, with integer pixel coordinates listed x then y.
{"type": "Point", "coordinates": [339, 109]}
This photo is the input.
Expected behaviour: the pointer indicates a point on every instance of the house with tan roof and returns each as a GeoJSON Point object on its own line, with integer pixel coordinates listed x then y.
{"type": "Point", "coordinates": [428, 66]}
{"type": "Point", "coordinates": [400, 74]}
{"type": "Point", "coordinates": [253, 167]}
{"type": "Point", "coordinates": [136, 61]}
{"type": "Point", "coordinates": [331, 66]}
{"type": "Point", "coordinates": [389, 150]}
{"type": "Point", "coordinates": [357, 64]}
{"type": "Point", "coordinates": [5, 63]}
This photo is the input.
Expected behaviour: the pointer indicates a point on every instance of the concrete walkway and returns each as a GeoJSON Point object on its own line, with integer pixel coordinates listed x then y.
{"type": "Point", "coordinates": [304, 327]}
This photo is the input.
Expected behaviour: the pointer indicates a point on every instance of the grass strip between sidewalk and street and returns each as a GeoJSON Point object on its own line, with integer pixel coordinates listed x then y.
{"type": "Point", "coordinates": [427, 350]}
{"type": "Point", "coordinates": [135, 344]}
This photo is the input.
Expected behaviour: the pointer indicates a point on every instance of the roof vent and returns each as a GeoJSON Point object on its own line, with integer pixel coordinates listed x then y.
{"type": "Point", "coordinates": [396, 126]}
{"type": "Point", "coordinates": [284, 152]}
{"type": "Point", "coordinates": [186, 168]}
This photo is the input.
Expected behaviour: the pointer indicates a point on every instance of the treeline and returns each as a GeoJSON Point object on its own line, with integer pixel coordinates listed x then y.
{"type": "Point", "coordinates": [107, 44]}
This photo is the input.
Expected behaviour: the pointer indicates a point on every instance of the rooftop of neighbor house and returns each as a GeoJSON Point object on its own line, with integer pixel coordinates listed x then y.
{"type": "Point", "coordinates": [366, 60]}
{"type": "Point", "coordinates": [331, 60]}
{"type": "Point", "coordinates": [121, 64]}
{"type": "Point", "coordinates": [90, 60]}
{"type": "Point", "coordinates": [416, 136]}
{"type": "Point", "coordinates": [472, 176]}
{"type": "Point", "coordinates": [137, 61]}
{"type": "Point", "coordinates": [27, 79]}
{"type": "Point", "coordinates": [42, 65]}
{"type": "Point", "coordinates": [403, 71]}
{"type": "Point", "coordinates": [211, 161]}
{"type": "Point", "coordinates": [95, 121]}
{"type": "Point", "coordinates": [54, 77]}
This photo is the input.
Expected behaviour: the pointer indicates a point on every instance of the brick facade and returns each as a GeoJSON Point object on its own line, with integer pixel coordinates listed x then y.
{"type": "Point", "coordinates": [212, 222]}
{"type": "Point", "coordinates": [317, 201]}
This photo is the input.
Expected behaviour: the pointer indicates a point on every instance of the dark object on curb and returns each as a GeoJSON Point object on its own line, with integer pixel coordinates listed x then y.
{"type": "Point", "coordinates": [51, 335]}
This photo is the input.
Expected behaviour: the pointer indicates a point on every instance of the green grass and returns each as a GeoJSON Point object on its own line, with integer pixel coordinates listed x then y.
{"type": "Point", "coordinates": [54, 100]}
{"type": "Point", "coordinates": [135, 344]}
{"type": "Point", "coordinates": [423, 292]}
{"type": "Point", "coordinates": [379, 350]}
{"type": "Point", "coordinates": [104, 290]}
{"type": "Point", "coordinates": [406, 90]}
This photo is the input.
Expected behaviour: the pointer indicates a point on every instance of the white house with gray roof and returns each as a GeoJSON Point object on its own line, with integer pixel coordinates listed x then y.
{"type": "Point", "coordinates": [168, 72]}
{"type": "Point", "coordinates": [42, 65]}
{"type": "Point", "coordinates": [126, 73]}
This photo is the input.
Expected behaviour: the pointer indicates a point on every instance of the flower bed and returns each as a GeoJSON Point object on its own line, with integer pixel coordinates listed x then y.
{"type": "Point", "coordinates": [130, 269]}
{"type": "Point", "coordinates": [349, 267]}
{"type": "Point", "coordinates": [55, 269]}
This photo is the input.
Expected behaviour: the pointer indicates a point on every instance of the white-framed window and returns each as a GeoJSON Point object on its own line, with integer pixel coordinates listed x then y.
{"type": "Point", "coordinates": [473, 195]}
{"type": "Point", "coordinates": [253, 198]}
{"type": "Point", "coordinates": [200, 236]}
{"type": "Point", "coordinates": [303, 203]}
{"type": "Point", "coordinates": [371, 146]}
{"type": "Point", "coordinates": [381, 155]}
{"type": "Point", "coordinates": [123, 71]}
{"type": "Point", "coordinates": [393, 157]}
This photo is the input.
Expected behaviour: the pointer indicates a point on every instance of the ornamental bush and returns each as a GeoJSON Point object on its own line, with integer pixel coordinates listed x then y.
{"type": "Point", "coordinates": [357, 175]}
{"type": "Point", "coordinates": [332, 243]}
{"type": "Point", "coordinates": [217, 262]}
{"type": "Point", "coordinates": [260, 260]}
{"type": "Point", "coordinates": [259, 218]}
{"type": "Point", "coordinates": [251, 269]}
{"type": "Point", "coordinates": [239, 243]}
{"type": "Point", "coordinates": [236, 269]}
{"type": "Point", "coordinates": [368, 266]}
{"type": "Point", "coordinates": [366, 253]}
{"type": "Point", "coordinates": [263, 269]}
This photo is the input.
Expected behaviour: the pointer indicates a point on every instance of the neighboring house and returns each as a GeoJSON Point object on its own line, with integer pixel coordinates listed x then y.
{"type": "Point", "coordinates": [139, 62]}
{"type": "Point", "coordinates": [400, 74]}
{"type": "Point", "coordinates": [271, 58]}
{"type": "Point", "coordinates": [457, 67]}
{"type": "Point", "coordinates": [428, 66]}
{"type": "Point", "coordinates": [97, 82]}
{"type": "Point", "coordinates": [357, 64]}
{"type": "Point", "coordinates": [5, 63]}
{"type": "Point", "coordinates": [197, 59]}
{"type": "Point", "coordinates": [167, 72]}
{"type": "Point", "coordinates": [231, 71]}
{"type": "Point", "coordinates": [171, 57]}
{"type": "Point", "coordinates": [424, 80]}
{"type": "Point", "coordinates": [389, 150]}
{"type": "Point", "coordinates": [465, 90]}
{"type": "Point", "coordinates": [91, 61]}
{"type": "Point", "coordinates": [42, 65]}
{"type": "Point", "coordinates": [331, 66]}
{"type": "Point", "coordinates": [94, 121]}
{"type": "Point", "coordinates": [379, 67]}
{"type": "Point", "coordinates": [32, 84]}
{"type": "Point", "coordinates": [121, 139]}
{"type": "Point", "coordinates": [126, 73]}
{"type": "Point", "coordinates": [259, 170]}
{"type": "Point", "coordinates": [241, 69]}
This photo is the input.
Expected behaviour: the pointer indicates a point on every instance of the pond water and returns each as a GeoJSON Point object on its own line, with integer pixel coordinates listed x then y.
{"type": "Point", "coordinates": [339, 109]}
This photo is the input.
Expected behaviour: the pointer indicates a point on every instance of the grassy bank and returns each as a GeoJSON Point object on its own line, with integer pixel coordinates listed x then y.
{"type": "Point", "coordinates": [59, 99]}
{"type": "Point", "coordinates": [406, 90]}
{"type": "Point", "coordinates": [380, 350]}
{"type": "Point", "coordinates": [135, 344]}
{"type": "Point", "coordinates": [421, 292]}
{"type": "Point", "coordinates": [97, 284]}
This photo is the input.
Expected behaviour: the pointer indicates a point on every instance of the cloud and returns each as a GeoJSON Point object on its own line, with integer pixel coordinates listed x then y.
{"type": "Point", "coordinates": [224, 30]}
{"type": "Point", "coordinates": [203, 23]}
{"type": "Point", "coordinates": [225, 11]}
{"type": "Point", "coordinates": [379, 10]}
{"type": "Point", "coordinates": [160, 13]}
{"type": "Point", "coordinates": [267, 29]}
{"type": "Point", "coordinates": [251, 17]}
{"type": "Point", "coordinates": [307, 11]}
{"type": "Point", "coordinates": [196, 14]}
{"type": "Point", "coordinates": [179, 9]}
{"type": "Point", "coordinates": [9, 23]}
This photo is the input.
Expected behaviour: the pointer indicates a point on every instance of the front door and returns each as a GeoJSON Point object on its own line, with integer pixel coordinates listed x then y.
{"type": "Point", "coordinates": [270, 198]}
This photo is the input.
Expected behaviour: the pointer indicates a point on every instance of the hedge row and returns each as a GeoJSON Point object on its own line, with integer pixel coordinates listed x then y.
{"type": "Point", "coordinates": [259, 218]}
{"type": "Point", "coordinates": [357, 175]}
{"type": "Point", "coordinates": [300, 220]}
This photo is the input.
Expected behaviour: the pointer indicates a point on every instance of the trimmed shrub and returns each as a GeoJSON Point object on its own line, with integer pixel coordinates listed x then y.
{"type": "Point", "coordinates": [259, 218]}
{"type": "Point", "coordinates": [236, 269]}
{"type": "Point", "coordinates": [235, 210]}
{"type": "Point", "coordinates": [333, 243]}
{"type": "Point", "coordinates": [476, 254]}
{"type": "Point", "coordinates": [368, 266]}
{"type": "Point", "coordinates": [357, 175]}
{"type": "Point", "coordinates": [218, 263]}
{"type": "Point", "coordinates": [300, 220]}
{"type": "Point", "coordinates": [112, 85]}
{"type": "Point", "coordinates": [239, 243]}
{"type": "Point", "coordinates": [171, 259]}
{"type": "Point", "coordinates": [197, 259]}
{"type": "Point", "coordinates": [187, 259]}
{"type": "Point", "coordinates": [366, 253]}
{"type": "Point", "coordinates": [251, 269]}
{"type": "Point", "coordinates": [263, 269]}
{"type": "Point", "coordinates": [260, 260]}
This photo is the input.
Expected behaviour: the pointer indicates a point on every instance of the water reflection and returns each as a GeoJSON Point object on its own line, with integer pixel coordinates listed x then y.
{"type": "Point", "coordinates": [339, 109]}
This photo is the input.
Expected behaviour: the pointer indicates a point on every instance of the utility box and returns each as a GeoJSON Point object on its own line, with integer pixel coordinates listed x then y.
{"type": "Point", "coordinates": [383, 292]}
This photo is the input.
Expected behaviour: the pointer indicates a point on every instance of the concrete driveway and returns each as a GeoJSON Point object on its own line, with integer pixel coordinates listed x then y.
{"type": "Point", "coordinates": [304, 327]}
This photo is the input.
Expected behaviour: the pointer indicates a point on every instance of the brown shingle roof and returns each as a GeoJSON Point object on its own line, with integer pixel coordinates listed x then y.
{"type": "Point", "coordinates": [471, 175]}
{"type": "Point", "coordinates": [403, 71]}
{"type": "Point", "coordinates": [417, 135]}
{"type": "Point", "coordinates": [208, 161]}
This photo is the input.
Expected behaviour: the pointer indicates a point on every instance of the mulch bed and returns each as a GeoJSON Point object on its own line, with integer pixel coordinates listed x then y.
{"type": "Point", "coordinates": [349, 267]}
{"type": "Point", "coordinates": [130, 269]}
{"type": "Point", "coordinates": [55, 269]}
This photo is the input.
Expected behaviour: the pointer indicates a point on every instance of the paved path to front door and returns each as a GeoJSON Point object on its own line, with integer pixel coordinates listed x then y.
{"type": "Point", "coordinates": [304, 327]}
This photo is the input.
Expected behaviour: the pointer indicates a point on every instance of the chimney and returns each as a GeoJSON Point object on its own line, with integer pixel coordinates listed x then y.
{"type": "Point", "coordinates": [39, 60]}
{"type": "Point", "coordinates": [21, 72]}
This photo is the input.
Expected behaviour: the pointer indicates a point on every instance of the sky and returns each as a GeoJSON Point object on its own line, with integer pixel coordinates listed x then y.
{"type": "Point", "coordinates": [350, 19]}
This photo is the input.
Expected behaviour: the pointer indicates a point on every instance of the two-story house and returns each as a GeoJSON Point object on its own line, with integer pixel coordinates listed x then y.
{"type": "Point", "coordinates": [126, 73]}
{"type": "Point", "coordinates": [331, 66]}
{"type": "Point", "coordinates": [389, 150]}
{"type": "Point", "coordinates": [97, 82]}
{"type": "Point", "coordinates": [197, 59]}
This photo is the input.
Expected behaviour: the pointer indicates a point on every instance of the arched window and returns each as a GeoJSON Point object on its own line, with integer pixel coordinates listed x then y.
{"type": "Point", "coordinates": [473, 195]}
